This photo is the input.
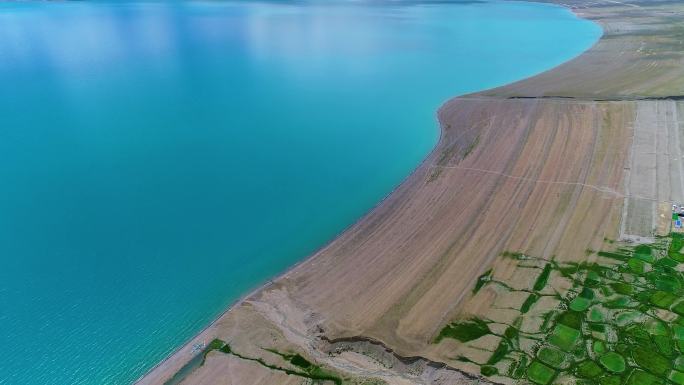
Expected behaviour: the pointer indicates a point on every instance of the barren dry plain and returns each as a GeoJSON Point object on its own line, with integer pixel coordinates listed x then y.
{"type": "Point", "coordinates": [582, 158]}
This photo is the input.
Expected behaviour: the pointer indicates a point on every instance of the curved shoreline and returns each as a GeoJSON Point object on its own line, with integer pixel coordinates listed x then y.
{"type": "Point", "coordinates": [438, 146]}
{"type": "Point", "coordinates": [540, 167]}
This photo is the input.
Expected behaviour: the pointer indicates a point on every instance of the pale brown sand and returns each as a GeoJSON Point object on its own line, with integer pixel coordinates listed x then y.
{"type": "Point", "coordinates": [537, 166]}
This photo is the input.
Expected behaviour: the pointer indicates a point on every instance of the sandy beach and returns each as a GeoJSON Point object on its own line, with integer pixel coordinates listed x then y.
{"type": "Point", "coordinates": [553, 166]}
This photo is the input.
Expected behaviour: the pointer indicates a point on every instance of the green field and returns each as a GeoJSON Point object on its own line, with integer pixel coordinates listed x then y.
{"type": "Point", "coordinates": [613, 362]}
{"type": "Point", "coordinates": [621, 322]}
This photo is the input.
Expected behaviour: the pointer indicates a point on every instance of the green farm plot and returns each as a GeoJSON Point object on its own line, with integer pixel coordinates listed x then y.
{"type": "Point", "coordinates": [679, 363]}
{"type": "Point", "coordinates": [622, 288]}
{"type": "Point", "coordinates": [579, 304]}
{"type": "Point", "coordinates": [676, 377]}
{"type": "Point", "coordinates": [599, 347]}
{"type": "Point", "coordinates": [596, 314]}
{"type": "Point", "coordinates": [620, 322]}
{"type": "Point", "coordinates": [665, 345]}
{"type": "Point", "coordinates": [639, 377]}
{"type": "Point", "coordinates": [464, 331]}
{"type": "Point", "coordinates": [588, 369]}
{"type": "Point", "coordinates": [531, 300]}
{"type": "Point", "coordinates": [570, 319]}
{"type": "Point", "coordinates": [610, 380]}
{"type": "Point", "coordinates": [656, 327]}
{"type": "Point", "coordinates": [678, 332]}
{"type": "Point", "coordinates": [540, 373]}
{"type": "Point", "coordinates": [543, 278]}
{"type": "Point", "coordinates": [644, 252]}
{"type": "Point", "coordinates": [637, 266]}
{"type": "Point", "coordinates": [628, 317]}
{"type": "Point", "coordinates": [482, 280]}
{"type": "Point", "coordinates": [554, 357]}
{"type": "Point", "coordinates": [678, 308]}
{"type": "Point", "coordinates": [613, 362]}
{"type": "Point", "coordinates": [564, 337]}
{"type": "Point", "coordinates": [663, 299]}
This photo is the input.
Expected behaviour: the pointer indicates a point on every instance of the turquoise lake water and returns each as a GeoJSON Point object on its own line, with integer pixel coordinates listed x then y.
{"type": "Point", "coordinates": [159, 160]}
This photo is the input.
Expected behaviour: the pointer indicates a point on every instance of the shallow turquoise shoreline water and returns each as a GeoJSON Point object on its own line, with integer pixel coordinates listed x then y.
{"type": "Point", "coordinates": [159, 160]}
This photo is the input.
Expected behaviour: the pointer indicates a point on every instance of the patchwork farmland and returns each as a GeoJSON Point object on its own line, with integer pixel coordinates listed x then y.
{"type": "Point", "coordinates": [620, 322]}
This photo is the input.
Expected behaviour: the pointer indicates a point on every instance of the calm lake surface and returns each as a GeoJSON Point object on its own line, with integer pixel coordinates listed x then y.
{"type": "Point", "coordinates": [159, 160]}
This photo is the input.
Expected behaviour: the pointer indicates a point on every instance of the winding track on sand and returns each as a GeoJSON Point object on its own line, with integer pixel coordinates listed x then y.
{"type": "Point", "coordinates": [541, 166]}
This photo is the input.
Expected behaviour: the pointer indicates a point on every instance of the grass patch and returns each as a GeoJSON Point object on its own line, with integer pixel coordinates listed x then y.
{"type": "Point", "coordinates": [464, 331]}
{"type": "Point", "coordinates": [513, 254]}
{"type": "Point", "coordinates": [613, 255]}
{"type": "Point", "coordinates": [482, 280]}
{"type": "Point", "coordinates": [471, 147]}
{"type": "Point", "coordinates": [499, 353]}
{"type": "Point", "coordinates": [306, 368]}
{"type": "Point", "coordinates": [529, 301]}
{"type": "Point", "coordinates": [518, 368]}
{"type": "Point", "coordinates": [543, 278]}
{"type": "Point", "coordinates": [487, 370]}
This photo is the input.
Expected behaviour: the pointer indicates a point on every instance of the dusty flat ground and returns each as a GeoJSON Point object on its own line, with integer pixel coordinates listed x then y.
{"type": "Point", "coordinates": [640, 55]}
{"type": "Point", "coordinates": [553, 166]}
